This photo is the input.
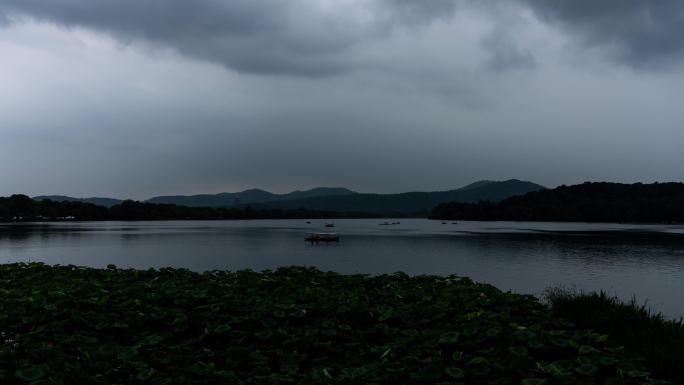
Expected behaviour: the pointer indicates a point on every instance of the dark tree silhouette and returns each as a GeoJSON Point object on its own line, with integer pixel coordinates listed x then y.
{"type": "Point", "coordinates": [587, 202]}
{"type": "Point", "coordinates": [21, 208]}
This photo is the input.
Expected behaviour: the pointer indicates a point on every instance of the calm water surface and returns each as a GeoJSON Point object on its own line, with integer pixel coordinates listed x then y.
{"type": "Point", "coordinates": [646, 261]}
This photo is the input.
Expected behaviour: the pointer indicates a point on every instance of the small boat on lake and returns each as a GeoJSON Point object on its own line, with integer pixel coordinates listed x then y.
{"type": "Point", "coordinates": [329, 225]}
{"type": "Point", "coordinates": [322, 237]}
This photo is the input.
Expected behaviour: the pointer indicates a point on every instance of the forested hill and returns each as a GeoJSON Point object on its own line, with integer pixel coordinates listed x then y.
{"type": "Point", "coordinates": [588, 202]}
{"type": "Point", "coordinates": [21, 208]}
{"type": "Point", "coordinates": [410, 203]}
{"type": "Point", "coordinates": [246, 197]}
{"type": "Point", "coordinates": [338, 201]}
{"type": "Point", "coordinates": [225, 199]}
{"type": "Point", "coordinates": [108, 202]}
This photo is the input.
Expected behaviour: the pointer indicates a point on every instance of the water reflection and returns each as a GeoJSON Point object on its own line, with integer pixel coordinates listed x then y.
{"type": "Point", "coordinates": [646, 261]}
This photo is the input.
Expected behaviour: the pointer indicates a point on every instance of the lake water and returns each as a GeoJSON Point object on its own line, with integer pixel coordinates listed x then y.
{"type": "Point", "coordinates": [646, 261]}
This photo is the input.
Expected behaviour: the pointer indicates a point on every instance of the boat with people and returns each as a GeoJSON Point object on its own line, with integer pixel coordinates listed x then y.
{"type": "Point", "coordinates": [322, 237]}
{"type": "Point", "coordinates": [329, 225]}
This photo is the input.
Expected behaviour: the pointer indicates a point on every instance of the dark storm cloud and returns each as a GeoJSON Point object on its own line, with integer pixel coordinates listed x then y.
{"type": "Point", "coordinates": [644, 32]}
{"type": "Point", "coordinates": [266, 37]}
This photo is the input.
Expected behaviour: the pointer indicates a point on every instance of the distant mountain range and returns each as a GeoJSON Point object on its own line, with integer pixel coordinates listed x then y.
{"type": "Point", "coordinates": [247, 197]}
{"type": "Point", "coordinates": [337, 198]}
{"type": "Point", "coordinates": [419, 203]}
{"type": "Point", "coordinates": [212, 200]}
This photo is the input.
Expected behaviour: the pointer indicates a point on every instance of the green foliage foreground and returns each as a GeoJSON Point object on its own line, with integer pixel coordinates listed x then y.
{"type": "Point", "coordinates": [76, 325]}
{"type": "Point", "coordinates": [658, 339]}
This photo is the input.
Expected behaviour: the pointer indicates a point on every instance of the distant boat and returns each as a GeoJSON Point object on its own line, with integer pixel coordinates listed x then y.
{"type": "Point", "coordinates": [329, 225]}
{"type": "Point", "coordinates": [384, 223]}
{"type": "Point", "coordinates": [322, 237]}
{"type": "Point", "coordinates": [308, 222]}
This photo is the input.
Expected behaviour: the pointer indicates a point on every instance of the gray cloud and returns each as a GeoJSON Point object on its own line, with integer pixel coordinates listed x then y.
{"type": "Point", "coordinates": [643, 33]}
{"type": "Point", "coordinates": [310, 38]}
{"type": "Point", "coordinates": [421, 11]}
{"type": "Point", "coordinates": [505, 54]}
{"type": "Point", "coordinates": [265, 37]}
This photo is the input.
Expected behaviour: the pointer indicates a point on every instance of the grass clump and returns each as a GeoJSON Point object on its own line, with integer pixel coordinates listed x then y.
{"type": "Point", "coordinates": [660, 341]}
{"type": "Point", "coordinates": [76, 325]}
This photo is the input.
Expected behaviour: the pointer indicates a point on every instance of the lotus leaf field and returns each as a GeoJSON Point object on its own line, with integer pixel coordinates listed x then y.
{"type": "Point", "coordinates": [76, 325]}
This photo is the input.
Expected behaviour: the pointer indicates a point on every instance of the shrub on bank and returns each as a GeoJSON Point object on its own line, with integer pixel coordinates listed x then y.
{"type": "Point", "coordinates": [76, 325]}
{"type": "Point", "coordinates": [649, 334]}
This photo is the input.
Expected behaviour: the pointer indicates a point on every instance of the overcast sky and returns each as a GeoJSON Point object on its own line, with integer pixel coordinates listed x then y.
{"type": "Point", "coordinates": [136, 98]}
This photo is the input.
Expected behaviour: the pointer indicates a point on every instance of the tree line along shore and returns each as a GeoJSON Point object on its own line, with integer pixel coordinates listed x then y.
{"type": "Point", "coordinates": [21, 208]}
{"type": "Point", "coordinates": [587, 202]}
